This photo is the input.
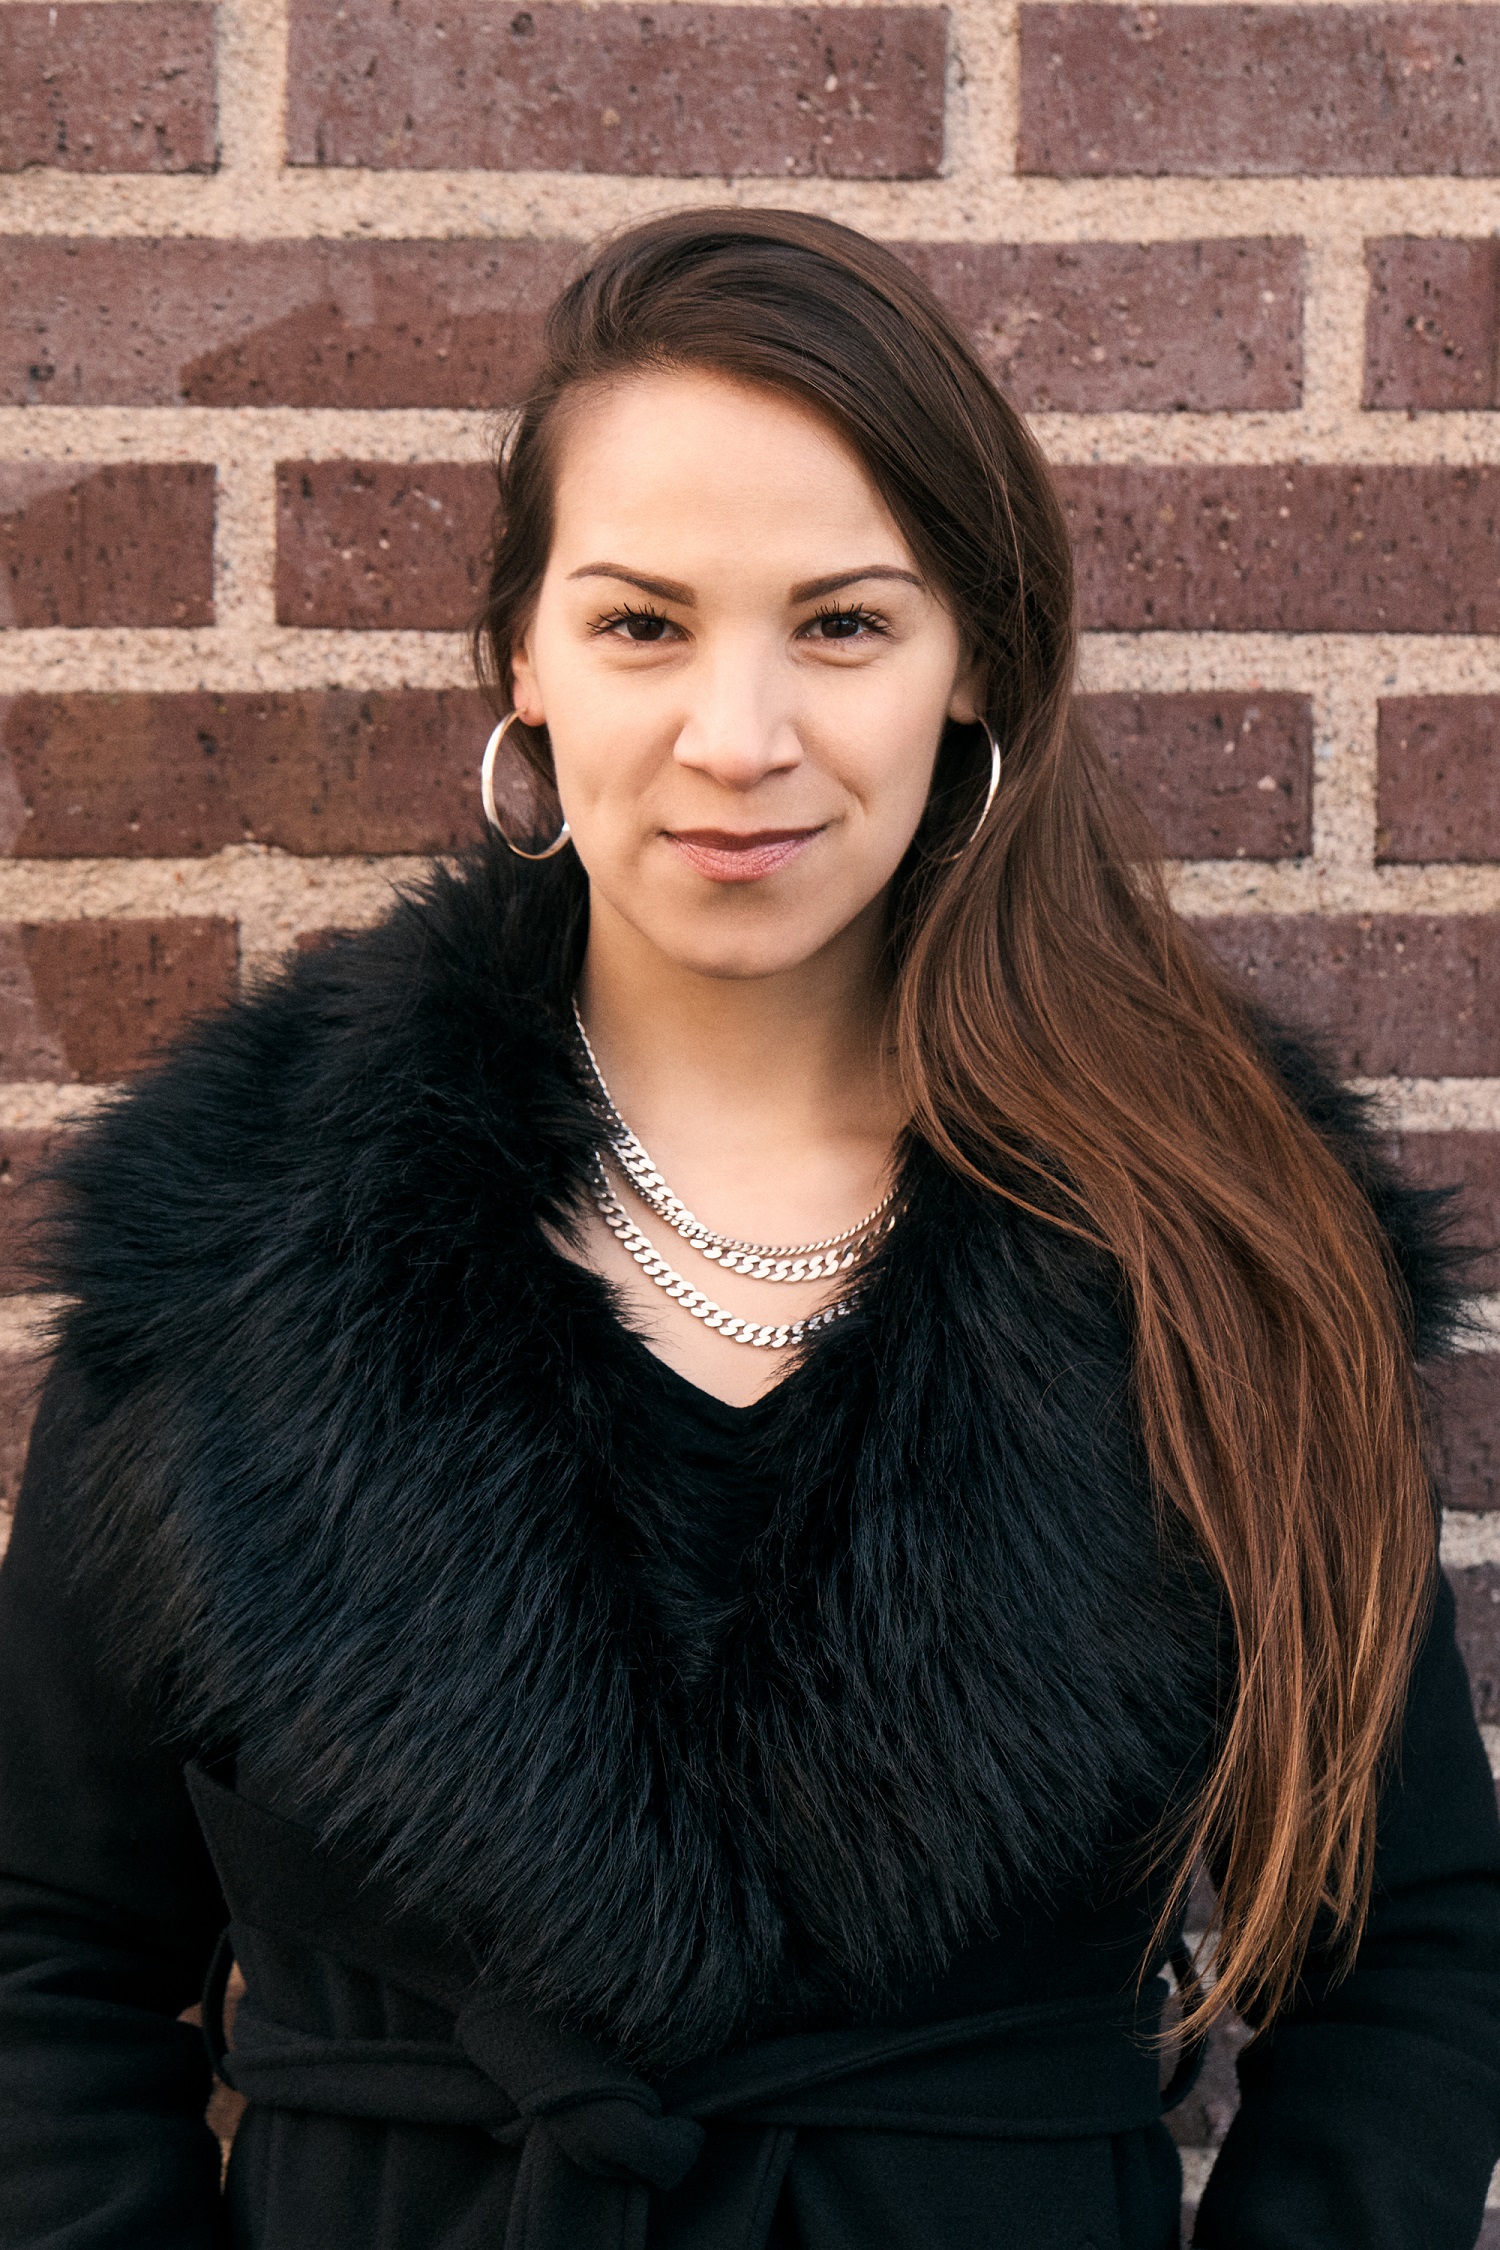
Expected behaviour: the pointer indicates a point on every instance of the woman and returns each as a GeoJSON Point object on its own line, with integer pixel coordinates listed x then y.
{"type": "Point", "coordinates": [700, 1731]}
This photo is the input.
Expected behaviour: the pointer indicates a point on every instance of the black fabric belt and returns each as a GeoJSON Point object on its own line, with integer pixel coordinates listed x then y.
{"type": "Point", "coordinates": [594, 2139]}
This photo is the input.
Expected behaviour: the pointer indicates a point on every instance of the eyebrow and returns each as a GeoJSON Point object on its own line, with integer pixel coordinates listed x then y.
{"type": "Point", "coordinates": [668, 589]}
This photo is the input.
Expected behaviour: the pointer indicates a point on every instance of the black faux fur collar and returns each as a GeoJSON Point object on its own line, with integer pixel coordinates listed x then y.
{"type": "Point", "coordinates": [374, 1485]}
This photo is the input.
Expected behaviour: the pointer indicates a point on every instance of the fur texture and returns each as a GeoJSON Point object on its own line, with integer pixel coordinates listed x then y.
{"type": "Point", "coordinates": [372, 1484]}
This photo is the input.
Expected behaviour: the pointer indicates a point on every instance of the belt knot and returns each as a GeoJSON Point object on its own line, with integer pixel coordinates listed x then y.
{"type": "Point", "coordinates": [594, 2110]}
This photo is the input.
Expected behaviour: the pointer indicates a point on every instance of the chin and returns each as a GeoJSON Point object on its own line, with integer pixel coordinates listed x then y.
{"type": "Point", "coordinates": [742, 960]}
{"type": "Point", "coordinates": [761, 946]}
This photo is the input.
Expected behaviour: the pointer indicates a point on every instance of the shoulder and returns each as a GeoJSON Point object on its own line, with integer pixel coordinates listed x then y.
{"type": "Point", "coordinates": [323, 1118]}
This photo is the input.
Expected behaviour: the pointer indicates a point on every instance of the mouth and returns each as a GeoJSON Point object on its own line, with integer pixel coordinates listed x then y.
{"type": "Point", "coordinates": [725, 856]}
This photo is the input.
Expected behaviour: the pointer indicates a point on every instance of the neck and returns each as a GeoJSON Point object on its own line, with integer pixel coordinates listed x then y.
{"type": "Point", "coordinates": [769, 1061]}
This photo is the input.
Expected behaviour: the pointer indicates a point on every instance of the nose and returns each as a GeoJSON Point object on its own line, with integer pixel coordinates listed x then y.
{"type": "Point", "coordinates": [739, 728]}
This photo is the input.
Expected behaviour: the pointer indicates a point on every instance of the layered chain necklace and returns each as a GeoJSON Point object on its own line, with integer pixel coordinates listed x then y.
{"type": "Point", "coordinates": [758, 1261]}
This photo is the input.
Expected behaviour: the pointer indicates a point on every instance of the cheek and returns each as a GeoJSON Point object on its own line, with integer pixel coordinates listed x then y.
{"type": "Point", "coordinates": [598, 737]}
{"type": "Point", "coordinates": [884, 753]}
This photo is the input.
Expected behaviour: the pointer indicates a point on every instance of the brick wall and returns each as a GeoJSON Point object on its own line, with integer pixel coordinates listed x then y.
{"type": "Point", "coordinates": [273, 267]}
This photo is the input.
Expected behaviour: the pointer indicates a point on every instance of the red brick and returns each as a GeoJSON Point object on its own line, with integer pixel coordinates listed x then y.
{"type": "Point", "coordinates": [1218, 776]}
{"type": "Point", "coordinates": [120, 88]}
{"type": "Point", "coordinates": [147, 323]}
{"type": "Point", "coordinates": [1392, 995]}
{"type": "Point", "coordinates": [175, 776]}
{"type": "Point", "coordinates": [1478, 1595]}
{"type": "Point", "coordinates": [1438, 792]}
{"type": "Point", "coordinates": [20, 1381]}
{"type": "Point", "coordinates": [1260, 91]}
{"type": "Point", "coordinates": [377, 544]}
{"type": "Point", "coordinates": [1464, 1404]}
{"type": "Point", "coordinates": [24, 1201]}
{"type": "Point", "coordinates": [1293, 549]}
{"type": "Point", "coordinates": [1469, 1162]}
{"type": "Point", "coordinates": [93, 1000]}
{"type": "Point", "coordinates": [688, 92]}
{"type": "Point", "coordinates": [1432, 324]}
{"type": "Point", "coordinates": [1093, 327]}
{"type": "Point", "coordinates": [127, 545]}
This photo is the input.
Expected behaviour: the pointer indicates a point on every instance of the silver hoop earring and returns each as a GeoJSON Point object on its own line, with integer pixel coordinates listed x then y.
{"type": "Point", "coordinates": [487, 795]}
{"type": "Point", "coordinates": [996, 761]}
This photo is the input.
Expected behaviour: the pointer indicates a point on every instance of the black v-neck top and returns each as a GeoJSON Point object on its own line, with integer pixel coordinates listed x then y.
{"type": "Point", "coordinates": [718, 1444]}
{"type": "Point", "coordinates": [715, 1500]}
{"type": "Point", "coordinates": [720, 1427]}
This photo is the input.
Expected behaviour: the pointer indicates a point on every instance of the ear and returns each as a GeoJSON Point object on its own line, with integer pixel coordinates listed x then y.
{"type": "Point", "coordinates": [525, 694]}
{"type": "Point", "coordinates": [966, 703]}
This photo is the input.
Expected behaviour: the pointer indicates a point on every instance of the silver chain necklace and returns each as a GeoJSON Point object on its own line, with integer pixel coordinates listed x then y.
{"type": "Point", "coordinates": [803, 1261]}
{"type": "Point", "coordinates": [758, 1261]}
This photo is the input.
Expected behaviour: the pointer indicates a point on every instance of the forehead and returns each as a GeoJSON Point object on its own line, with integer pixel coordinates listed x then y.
{"type": "Point", "coordinates": [704, 464]}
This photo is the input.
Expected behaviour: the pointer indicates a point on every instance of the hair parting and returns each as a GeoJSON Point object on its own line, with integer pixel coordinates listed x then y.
{"type": "Point", "coordinates": [1065, 1040]}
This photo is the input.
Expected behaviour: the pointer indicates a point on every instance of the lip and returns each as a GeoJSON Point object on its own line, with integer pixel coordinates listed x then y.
{"type": "Point", "coordinates": [725, 856]}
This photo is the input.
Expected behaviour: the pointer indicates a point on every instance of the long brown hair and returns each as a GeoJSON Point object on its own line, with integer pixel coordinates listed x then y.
{"type": "Point", "coordinates": [1059, 1027]}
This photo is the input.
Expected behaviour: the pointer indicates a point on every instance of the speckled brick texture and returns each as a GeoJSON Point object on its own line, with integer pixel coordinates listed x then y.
{"type": "Point", "coordinates": [369, 543]}
{"type": "Point", "coordinates": [274, 272]}
{"type": "Point", "coordinates": [1261, 90]}
{"type": "Point", "coordinates": [1082, 327]}
{"type": "Point", "coordinates": [181, 776]}
{"type": "Point", "coordinates": [1464, 1396]}
{"type": "Point", "coordinates": [1304, 548]}
{"type": "Point", "coordinates": [24, 1205]}
{"type": "Point", "coordinates": [679, 92]}
{"type": "Point", "coordinates": [1434, 325]}
{"type": "Point", "coordinates": [1090, 327]}
{"type": "Point", "coordinates": [1219, 776]}
{"type": "Point", "coordinates": [324, 324]}
{"type": "Point", "coordinates": [1438, 779]}
{"type": "Point", "coordinates": [1391, 996]}
{"type": "Point", "coordinates": [127, 87]}
{"type": "Point", "coordinates": [93, 1000]}
{"type": "Point", "coordinates": [127, 544]}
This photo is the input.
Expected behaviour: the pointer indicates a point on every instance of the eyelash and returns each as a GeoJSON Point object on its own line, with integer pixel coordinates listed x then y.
{"type": "Point", "coordinates": [622, 616]}
{"type": "Point", "coordinates": [867, 619]}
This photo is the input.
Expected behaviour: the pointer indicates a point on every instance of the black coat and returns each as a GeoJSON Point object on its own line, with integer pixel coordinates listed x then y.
{"type": "Point", "coordinates": [582, 1903]}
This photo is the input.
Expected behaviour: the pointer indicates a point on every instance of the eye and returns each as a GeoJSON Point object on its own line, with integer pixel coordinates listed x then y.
{"type": "Point", "coordinates": [643, 626]}
{"type": "Point", "coordinates": [839, 624]}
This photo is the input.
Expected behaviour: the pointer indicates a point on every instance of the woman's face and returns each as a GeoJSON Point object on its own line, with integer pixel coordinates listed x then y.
{"type": "Point", "coordinates": [743, 673]}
